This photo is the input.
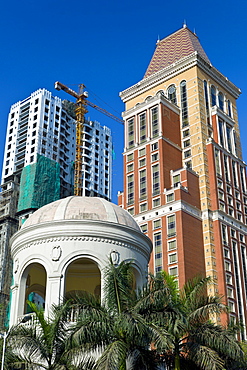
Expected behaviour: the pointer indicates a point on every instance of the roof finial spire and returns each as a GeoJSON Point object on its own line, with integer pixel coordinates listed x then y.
{"type": "Point", "coordinates": [184, 25]}
{"type": "Point", "coordinates": [158, 39]}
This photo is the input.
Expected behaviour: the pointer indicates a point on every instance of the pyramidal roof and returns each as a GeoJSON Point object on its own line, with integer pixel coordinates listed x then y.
{"type": "Point", "coordinates": [174, 47]}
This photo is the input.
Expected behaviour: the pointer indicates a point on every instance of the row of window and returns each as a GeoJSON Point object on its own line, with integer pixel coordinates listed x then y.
{"type": "Point", "coordinates": [138, 131]}
{"type": "Point", "coordinates": [143, 184]}
{"type": "Point", "coordinates": [217, 98]}
{"type": "Point", "coordinates": [230, 169]}
{"type": "Point", "coordinates": [233, 259]}
{"type": "Point", "coordinates": [226, 136]}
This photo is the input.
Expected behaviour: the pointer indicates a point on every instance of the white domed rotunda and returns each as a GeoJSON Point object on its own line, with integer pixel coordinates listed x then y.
{"type": "Point", "coordinates": [64, 246]}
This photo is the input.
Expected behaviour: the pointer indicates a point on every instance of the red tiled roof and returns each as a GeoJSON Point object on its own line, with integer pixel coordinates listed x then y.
{"type": "Point", "coordinates": [173, 48]}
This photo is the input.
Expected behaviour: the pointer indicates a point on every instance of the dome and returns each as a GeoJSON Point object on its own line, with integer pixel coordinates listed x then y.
{"type": "Point", "coordinates": [82, 208]}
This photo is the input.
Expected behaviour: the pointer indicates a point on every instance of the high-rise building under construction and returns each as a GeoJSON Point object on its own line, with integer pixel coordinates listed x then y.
{"type": "Point", "coordinates": [38, 164]}
{"type": "Point", "coordinates": [184, 177]}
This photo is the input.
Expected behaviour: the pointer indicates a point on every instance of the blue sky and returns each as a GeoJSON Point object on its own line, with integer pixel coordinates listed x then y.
{"type": "Point", "coordinates": [107, 45]}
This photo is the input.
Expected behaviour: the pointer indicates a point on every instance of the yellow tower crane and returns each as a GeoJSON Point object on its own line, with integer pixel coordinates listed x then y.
{"type": "Point", "coordinates": [80, 111]}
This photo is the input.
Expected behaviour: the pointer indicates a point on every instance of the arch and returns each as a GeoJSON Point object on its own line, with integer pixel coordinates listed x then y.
{"type": "Point", "coordinates": [148, 98]}
{"type": "Point", "coordinates": [32, 287]}
{"type": "Point", "coordinates": [221, 100]}
{"type": "Point", "coordinates": [160, 93]}
{"type": "Point", "coordinates": [138, 281]}
{"type": "Point", "coordinates": [82, 274]}
{"type": "Point", "coordinates": [171, 93]}
{"type": "Point", "coordinates": [213, 95]}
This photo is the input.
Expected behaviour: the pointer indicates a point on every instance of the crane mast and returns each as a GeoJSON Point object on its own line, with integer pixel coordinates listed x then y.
{"type": "Point", "coordinates": [80, 111]}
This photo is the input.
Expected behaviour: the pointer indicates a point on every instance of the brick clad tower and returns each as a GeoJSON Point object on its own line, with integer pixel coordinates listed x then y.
{"type": "Point", "coordinates": [184, 177]}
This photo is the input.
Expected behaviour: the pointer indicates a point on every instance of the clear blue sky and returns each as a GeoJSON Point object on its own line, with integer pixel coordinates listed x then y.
{"type": "Point", "coordinates": [107, 45]}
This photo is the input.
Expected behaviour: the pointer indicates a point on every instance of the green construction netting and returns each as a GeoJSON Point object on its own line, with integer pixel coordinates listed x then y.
{"type": "Point", "coordinates": [40, 184]}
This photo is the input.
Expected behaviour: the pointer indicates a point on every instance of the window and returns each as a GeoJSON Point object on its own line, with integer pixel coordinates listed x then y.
{"type": "Point", "coordinates": [172, 258]}
{"type": "Point", "coordinates": [156, 224]}
{"type": "Point", "coordinates": [143, 207]}
{"type": "Point", "coordinates": [144, 228]}
{"type": "Point", "coordinates": [143, 184]}
{"type": "Point", "coordinates": [172, 245]}
{"type": "Point", "coordinates": [156, 179]}
{"type": "Point", "coordinates": [226, 169]}
{"type": "Point", "coordinates": [130, 157]}
{"type": "Point", "coordinates": [228, 279]}
{"type": "Point", "coordinates": [186, 143]}
{"type": "Point", "coordinates": [221, 133]}
{"type": "Point", "coordinates": [229, 108]}
{"type": "Point", "coordinates": [142, 162]}
{"type": "Point", "coordinates": [170, 197]}
{"type": "Point", "coordinates": [188, 164]}
{"type": "Point", "coordinates": [213, 96]}
{"type": "Point", "coordinates": [173, 271]}
{"type": "Point", "coordinates": [217, 162]}
{"type": "Point", "coordinates": [142, 125]}
{"type": "Point", "coordinates": [130, 139]}
{"type": "Point", "coordinates": [226, 253]}
{"type": "Point", "coordinates": [154, 122]}
{"type": "Point", "coordinates": [130, 189]}
{"type": "Point", "coordinates": [242, 177]}
{"type": "Point", "coordinates": [224, 234]}
{"type": "Point", "coordinates": [156, 202]}
{"type": "Point", "coordinates": [184, 104]}
{"type": "Point", "coordinates": [206, 99]}
{"type": "Point", "coordinates": [171, 226]}
{"type": "Point", "coordinates": [187, 153]}
{"type": "Point", "coordinates": [228, 138]}
{"type": "Point", "coordinates": [171, 93]}
{"type": "Point", "coordinates": [155, 157]}
{"type": "Point", "coordinates": [158, 251]}
{"type": "Point", "coordinates": [235, 178]}
{"type": "Point", "coordinates": [221, 195]}
{"type": "Point", "coordinates": [221, 101]}
{"type": "Point", "coordinates": [130, 167]}
{"type": "Point", "coordinates": [154, 146]}
{"type": "Point", "coordinates": [176, 180]}
{"type": "Point", "coordinates": [227, 266]}
{"type": "Point", "coordinates": [142, 152]}
{"type": "Point", "coordinates": [186, 133]}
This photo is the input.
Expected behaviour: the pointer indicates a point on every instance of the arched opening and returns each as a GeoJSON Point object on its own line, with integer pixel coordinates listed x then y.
{"type": "Point", "coordinates": [137, 279]}
{"type": "Point", "coordinates": [82, 275]}
{"type": "Point", "coordinates": [34, 279]}
{"type": "Point", "coordinates": [213, 96]}
{"type": "Point", "coordinates": [171, 94]}
{"type": "Point", "coordinates": [221, 100]}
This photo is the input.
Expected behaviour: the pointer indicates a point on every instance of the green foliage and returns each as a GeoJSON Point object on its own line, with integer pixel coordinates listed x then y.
{"type": "Point", "coordinates": [141, 330]}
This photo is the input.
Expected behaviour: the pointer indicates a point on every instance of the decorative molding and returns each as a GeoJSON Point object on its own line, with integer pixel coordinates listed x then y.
{"type": "Point", "coordinates": [115, 256]}
{"type": "Point", "coordinates": [82, 239]}
{"type": "Point", "coordinates": [16, 265]}
{"type": "Point", "coordinates": [56, 253]}
{"type": "Point", "coordinates": [173, 70]}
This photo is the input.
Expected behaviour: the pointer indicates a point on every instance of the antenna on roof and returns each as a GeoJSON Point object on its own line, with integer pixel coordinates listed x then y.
{"type": "Point", "coordinates": [158, 40]}
{"type": "Point", "coordinates": [184, 25]}
{"type": "Point", "coordinates": [194, 31]}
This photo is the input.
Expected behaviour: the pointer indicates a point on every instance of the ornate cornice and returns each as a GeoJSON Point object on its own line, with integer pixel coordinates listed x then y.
{"type": "Point", "coordinates": [177, 68]}
{"type": "Point", "coordinates": [85, 238]}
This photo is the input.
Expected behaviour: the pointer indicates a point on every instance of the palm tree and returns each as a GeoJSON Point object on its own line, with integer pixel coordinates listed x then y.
{"type": "Point", "coordinates": [198, 343]}
{"type": "Point", "coordinates": [46, 343]}
{"type": "Point", "coordinates": [119, 330]}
